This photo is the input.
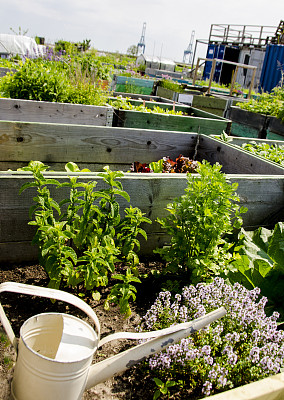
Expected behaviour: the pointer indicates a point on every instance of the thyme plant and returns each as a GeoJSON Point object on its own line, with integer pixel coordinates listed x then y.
{"type": "Point", "coordinates": [243, 346]}
{"type": "Point", "coordinates": [83, 237]}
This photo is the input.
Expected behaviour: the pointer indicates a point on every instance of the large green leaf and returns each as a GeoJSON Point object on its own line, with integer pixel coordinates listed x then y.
{"type": "Point", "coordinates": [276, 245]}
{"type": "Point", "coordinates": [253, 250]}
{"type": "Point", "coordinates": [261, 237]}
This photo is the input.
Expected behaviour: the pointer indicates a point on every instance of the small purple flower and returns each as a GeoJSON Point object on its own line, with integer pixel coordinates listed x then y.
{"type": "Point", "coordinates": [206, 389]}
{"type": "Point", "coordinates": [254, 354]}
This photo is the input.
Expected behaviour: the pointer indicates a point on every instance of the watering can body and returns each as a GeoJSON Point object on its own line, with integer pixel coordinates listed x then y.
{"type": "Point", "coordinates": [55, 351]}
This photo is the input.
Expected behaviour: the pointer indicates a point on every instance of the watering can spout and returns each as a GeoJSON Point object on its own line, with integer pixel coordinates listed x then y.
{"type": "Point", "coordinates": [159, 341]}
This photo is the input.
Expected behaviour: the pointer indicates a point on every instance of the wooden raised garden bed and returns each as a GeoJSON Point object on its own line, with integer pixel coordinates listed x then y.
{"type": "Point", "coordinates": [185, 97]}
{"type": "Point", "coordinates": [146, 97]}
{"type": "Point", "coordinates": [261, 183]}
{"type": "Point", "coordinates": [217, 105]}
{"type": "Point", "coordinates": [249, 124]}
{"type": "Point", "coordinates": [197, 121]}
{"type": "Point", "coordinates": [124, 83]}
{"type": "Point", "coordinates": [59, 113]}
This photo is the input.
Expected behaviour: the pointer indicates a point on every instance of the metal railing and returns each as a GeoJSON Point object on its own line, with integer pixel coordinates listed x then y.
{"type": "Point", "coordinates": [242, 34]}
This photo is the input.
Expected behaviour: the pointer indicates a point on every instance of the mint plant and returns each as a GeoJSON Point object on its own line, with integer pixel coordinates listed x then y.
{"type": "Point", "coordinates": [163, 388]}
{"type": "Point", "coordinates": [122, 292]}
{"type": "Point", "coordinates": [83, 237]}
{"type": "Point", "coordinates": [198, 224]}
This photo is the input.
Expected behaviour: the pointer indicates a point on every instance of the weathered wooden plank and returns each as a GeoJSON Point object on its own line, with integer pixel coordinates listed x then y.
{"type": "Point", "coordinates": [135, 119]}
{"type": "Point", "coordinates": [275, 129]}
{"type": "Point", "coordinates": [133, 89]}
{"type": "Point", "coordinates": [247, 117]}
{"type": "Point", "coordinates": [60, 113]}
{"type": "Point", "coordinates": [271, 388]}
{"type": "Point", "coordinates": [234, 159]}
{"type": "Point", "coordinates": [166, 93]}
{"type": "Point", "coordinates": [246, 123]}
{"type": "Point", "coordinates": [18, 252]}
{"type": "Point", "coordinates": [242, 130]}
{"type": "Point", "coordinates": [89, 146]}
{"type": "Point", "coordinates": [262, 195]}
{"type": "Point", "coordinates": [205, 114]}
{"type": "Point", "coordinates": [209, 102]}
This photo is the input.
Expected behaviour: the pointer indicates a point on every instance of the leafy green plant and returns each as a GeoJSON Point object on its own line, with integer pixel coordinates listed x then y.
{"type": "Point", "coordinates": [272, 152]}
{"type": "Point", "coordinates": [166, 165]}
{"type": "Point", "coordinates": [122, 292]}
{"type": "Point", "coordinates": [199, 223]}
{"type": "Point", "coordinates": [125, 104]}
{"type": "Point", "coordinates": [163, 388]}
{"type": "Point", "coordinates": [52, 81]}
{"type": "Point", "coordinates": [266, 103]}
{"type": "Point", "coordinates": [261, 264]}
{"type": "Point", "coordinates": [171, 85]}
{"type": "Point", "coordinates": [83, 237]}
{"type": "Point", "coordinates": [36, 80]}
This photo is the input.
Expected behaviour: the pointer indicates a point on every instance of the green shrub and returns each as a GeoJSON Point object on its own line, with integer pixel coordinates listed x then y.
{"type": "Point", "coordinates": [198, 224]}
{"type": "Point", "coordinates": [54, 81]}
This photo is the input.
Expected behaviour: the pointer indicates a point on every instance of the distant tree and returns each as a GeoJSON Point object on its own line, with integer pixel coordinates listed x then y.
{"type": "Point", "coordinates": [83, 46]}
{"type": "Point", "coordinates": [132, 50]}
{"type": "Point", "coordinates": [20, 32]}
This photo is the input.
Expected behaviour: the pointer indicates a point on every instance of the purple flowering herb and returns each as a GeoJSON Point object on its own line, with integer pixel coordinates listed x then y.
{"type": "Point", "coordinates": [244, 346]}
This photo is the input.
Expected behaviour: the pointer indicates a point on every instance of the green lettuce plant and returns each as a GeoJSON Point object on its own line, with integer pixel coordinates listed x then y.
{"type": "Point", "coordinates": [273, 152]}
{"type": "Point", "coordinates": [83, 237]}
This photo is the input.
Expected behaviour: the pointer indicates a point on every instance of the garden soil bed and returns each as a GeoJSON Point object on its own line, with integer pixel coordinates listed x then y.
{"type": "Point", "coordinates": [128, 385]}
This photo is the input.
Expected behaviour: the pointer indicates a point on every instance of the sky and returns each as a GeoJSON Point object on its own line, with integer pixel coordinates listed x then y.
{"type": "Point", "coordinates": [115, 25]}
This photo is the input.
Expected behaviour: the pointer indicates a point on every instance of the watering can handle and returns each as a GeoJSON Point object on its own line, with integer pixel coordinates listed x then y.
{"type": "Point", "coordinates": [42, 292]}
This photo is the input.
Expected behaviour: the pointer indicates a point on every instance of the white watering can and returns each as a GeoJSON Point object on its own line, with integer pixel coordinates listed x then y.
{"type": "Point", "coordinates": [55, 351]}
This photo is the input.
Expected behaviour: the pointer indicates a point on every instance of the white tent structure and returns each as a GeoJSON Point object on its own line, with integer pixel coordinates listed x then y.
{"type": "Point", "coordinates": [156, 62]}
{"type": "Point", "coordinates": [24, 46]}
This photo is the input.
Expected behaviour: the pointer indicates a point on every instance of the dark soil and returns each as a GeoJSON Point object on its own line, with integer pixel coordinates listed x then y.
{"type": "Point", "coordinates": [132, 384]}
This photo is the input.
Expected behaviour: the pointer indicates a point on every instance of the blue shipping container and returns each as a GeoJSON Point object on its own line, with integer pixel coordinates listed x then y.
{"type": "Point", "coordinates": [272, 65]}
{"type": "Point", "coordinates": [214, 51]}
